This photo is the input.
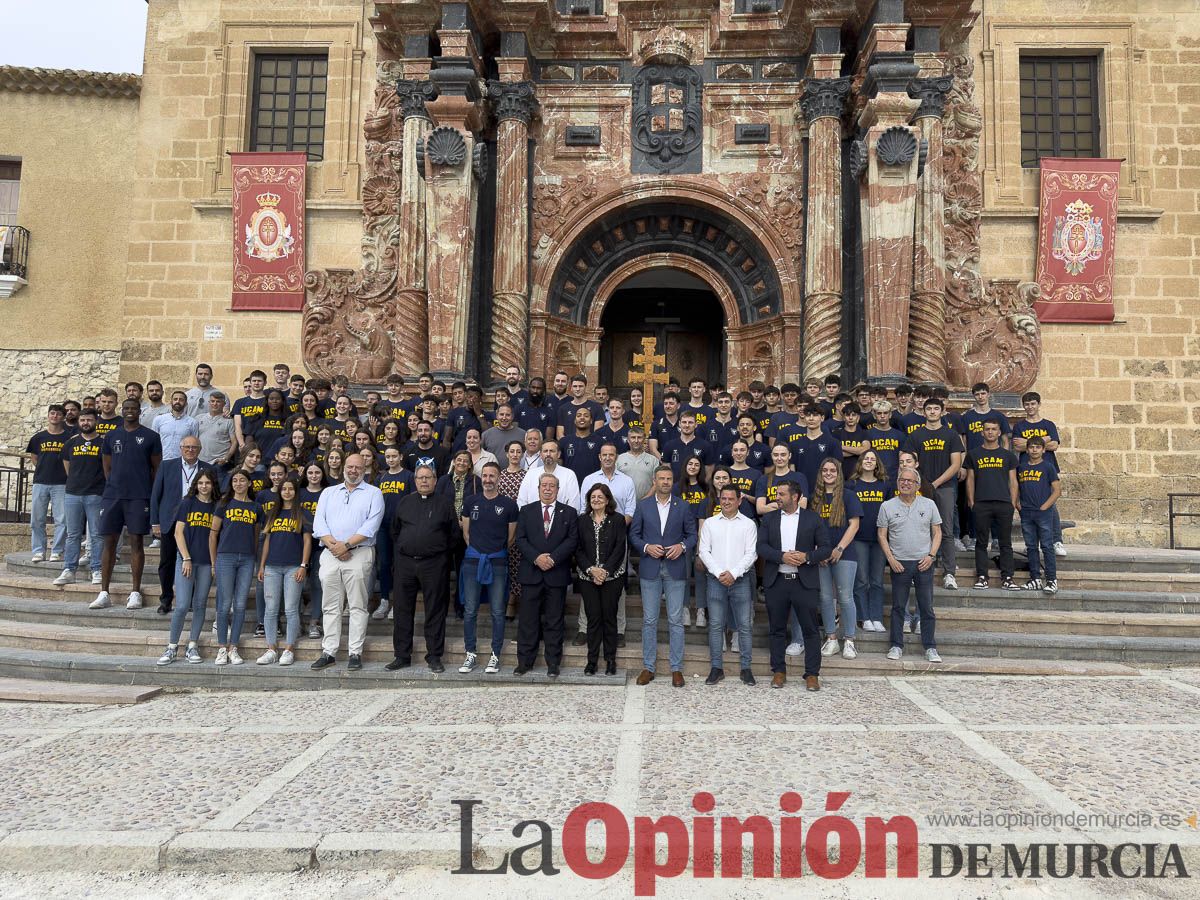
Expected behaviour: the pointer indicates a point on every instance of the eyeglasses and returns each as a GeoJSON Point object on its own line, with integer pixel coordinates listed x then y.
{"type": "Point", "coordinates": [907, 481]}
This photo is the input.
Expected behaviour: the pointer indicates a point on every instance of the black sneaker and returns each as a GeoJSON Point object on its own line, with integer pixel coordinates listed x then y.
{"type": "Point", "coordinates": [1009, 585]}
{"type": "Point", "coordinates": [748, 677]}
{"type": "Point", "coordinates": [621, 639]}
{"type": "Point", "coordinates": [714, 676]}
{"type": "Point", "coordinates": [397, 664]}
{"type": "Point", "coordinates": [520, 670]}
{"type": "Point", "coordinates": [579, 640]}
{"type": "Point", "coordinates": [981, 582]}
{"type": "Point", "coordinates": [355, 662]}
{"type": "Point", "coordinates": [551, 671]}
{"type": "Point", "coordinates": [260, 630]}
{"type": "Point", "coordinates": [324, 661]}
{"type": "Point", "coordinates": [435, 665]}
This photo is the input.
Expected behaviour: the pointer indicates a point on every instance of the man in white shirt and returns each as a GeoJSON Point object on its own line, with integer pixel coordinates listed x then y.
{"type": "Point", "coordinates": [727, 547]}
{"type": "Point", "coordinates": [568, 484]}
{"type": "Point", "coordinates": [173, 427]}
{"type": "Point", "coordinates": [623, 493]}
{"type": "Point", "coordinates": [533, 449]}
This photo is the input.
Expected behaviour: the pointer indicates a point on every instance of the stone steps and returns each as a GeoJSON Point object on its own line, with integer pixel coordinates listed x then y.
{"type": "Point", "coordinates": [26, 690]}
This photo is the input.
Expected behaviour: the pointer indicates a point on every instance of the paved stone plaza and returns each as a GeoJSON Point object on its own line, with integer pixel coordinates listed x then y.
{"type": "Point", "coordinates": [220, 793]}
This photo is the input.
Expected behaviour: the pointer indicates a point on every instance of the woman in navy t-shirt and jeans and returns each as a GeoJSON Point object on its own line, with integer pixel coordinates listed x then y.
{"type": "Point", "coordinates": [231, 544]}
{"type": "Point", "coordinates": [287, 545]}
{"type": "Point", "coordinates": [193, 567]}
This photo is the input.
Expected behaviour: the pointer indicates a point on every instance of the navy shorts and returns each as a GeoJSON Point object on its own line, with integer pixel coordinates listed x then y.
{"type": "Point", "coordinates": [131, 514]}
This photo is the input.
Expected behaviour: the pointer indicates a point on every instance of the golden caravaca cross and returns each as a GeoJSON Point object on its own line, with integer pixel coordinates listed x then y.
{"type": "Point", "coordinates": [647, 360]}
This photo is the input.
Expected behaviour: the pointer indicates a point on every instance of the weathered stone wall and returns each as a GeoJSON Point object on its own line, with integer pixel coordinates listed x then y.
{"type": "Point", "coordinates": [1124, 394]}
{"type": "Point", "coordinates": [33, 379]}
{"type": "Point", "coordinates": [195, 107]}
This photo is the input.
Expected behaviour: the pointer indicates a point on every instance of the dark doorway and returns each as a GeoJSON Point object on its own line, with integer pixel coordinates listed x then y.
{"type": "Point", "coordinates": [678, 309]}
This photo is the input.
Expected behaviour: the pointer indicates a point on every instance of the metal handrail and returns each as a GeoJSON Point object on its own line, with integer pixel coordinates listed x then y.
{"type": "Point", "coordinates": [15, 490]}
{"type": "Point", "coordinates": [1173, 514]}
{"type": "Point", "coordinates": [14, 253]}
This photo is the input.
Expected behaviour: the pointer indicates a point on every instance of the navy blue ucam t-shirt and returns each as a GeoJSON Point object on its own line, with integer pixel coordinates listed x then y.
{"type": "Point", "coordinates": [1035, 481]}
{"type": "Point", "coordinates": [853, 510]}
{"type": "Point", "coordinates": [238, 518]}
{"type": "Point", "coordinates": [287, 532]}
{"type": "Point", "coordinates": [870, 495]}
{"type": "Point", "coordinates": [131, 475]}
{"type": "Point", "coordinates": [196, 515]}
{"type": "Point", "coordinates": [489, 521]}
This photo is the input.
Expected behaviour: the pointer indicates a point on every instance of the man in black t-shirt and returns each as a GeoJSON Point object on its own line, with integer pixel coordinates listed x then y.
{"type": "Point", "coordinates": [49, 483]}
{"type": "Point", "coordinates": [85, 484]}
{"type": "Point", "coordinates": [992, 496]}
{"type": "Point", "coordinates": [939, 452]}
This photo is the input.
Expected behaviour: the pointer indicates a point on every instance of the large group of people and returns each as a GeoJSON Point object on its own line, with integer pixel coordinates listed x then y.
{"type": "Point", "coordinates": [314, 502]}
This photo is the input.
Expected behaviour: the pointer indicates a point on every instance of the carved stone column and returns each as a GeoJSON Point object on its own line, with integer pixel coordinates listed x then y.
{"type": "Point", "coordinates": [823, 104]}
{"type": "Point", "coordinates": [514, 106]}
{"type": "Point", "coordinates": [891, 154]}
{"type": "Point", "coordinates": [411, 339]}
{"type": "Point", "coordinates": [927, 317]}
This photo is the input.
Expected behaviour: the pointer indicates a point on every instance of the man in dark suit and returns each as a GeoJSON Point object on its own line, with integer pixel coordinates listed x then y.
{"type": "Point", "coordinates": [791, 542]}
{"type": "Point", "coordinates": [664, 532]}
{"type": "Point", "coordinates": [547, 532]}
{"type": "Point", "coordinates": [171, 484]}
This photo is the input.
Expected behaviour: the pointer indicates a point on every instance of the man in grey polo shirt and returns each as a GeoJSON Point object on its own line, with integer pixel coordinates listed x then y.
{"type": "Point", "coordinates": [910, 533]}
{"type": "Point", "coordinates": [216, 432]}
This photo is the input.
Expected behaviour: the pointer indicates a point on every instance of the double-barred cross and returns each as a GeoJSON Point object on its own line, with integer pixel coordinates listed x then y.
{"type": "Point", "coordinates": [647, 361]}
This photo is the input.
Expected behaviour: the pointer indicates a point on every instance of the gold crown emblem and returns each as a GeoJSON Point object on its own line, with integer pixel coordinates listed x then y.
{"type": "Point", "coordinates": [1079, 209]}
{"type": "Point", "coordinates": [268, 199]}
{"type": "Point", "coordinates": [668, 45]}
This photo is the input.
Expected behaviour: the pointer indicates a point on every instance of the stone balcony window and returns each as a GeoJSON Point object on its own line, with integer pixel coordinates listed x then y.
{"type": "Point", "coordinates": [14, 259]}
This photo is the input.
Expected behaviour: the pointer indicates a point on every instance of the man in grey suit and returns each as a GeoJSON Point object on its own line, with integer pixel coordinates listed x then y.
{"type": "Point", "coordinates": [664, 531]}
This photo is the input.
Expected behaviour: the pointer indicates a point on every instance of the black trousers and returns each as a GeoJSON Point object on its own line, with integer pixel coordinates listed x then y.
{"type": "Point", "coordinates": [784, 596]}
{"type": "Point", "coordinates": [541, 608]}
{"type": "Point", "coordinates": [989, 515]}
{"type": "Point", "coordinates": [167, 554]}
{"type": "Point", "coordinates": [600, 604]}
{"type": "Point", "coordinates": [430, 577]}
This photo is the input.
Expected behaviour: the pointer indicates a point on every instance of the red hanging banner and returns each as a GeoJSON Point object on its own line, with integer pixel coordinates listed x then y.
{"type": "Point", "coordinates": [268, 231]}
{"type": "Point", "coordinates": [1077, 233]}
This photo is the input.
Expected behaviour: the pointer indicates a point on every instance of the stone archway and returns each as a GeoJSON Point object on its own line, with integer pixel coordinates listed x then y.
{"type": "Point", "coordinates": [722, 252]}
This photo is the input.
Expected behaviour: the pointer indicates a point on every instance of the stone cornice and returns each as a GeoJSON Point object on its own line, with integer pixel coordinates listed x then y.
{"type": "Point", "coordinates": [72, 82]}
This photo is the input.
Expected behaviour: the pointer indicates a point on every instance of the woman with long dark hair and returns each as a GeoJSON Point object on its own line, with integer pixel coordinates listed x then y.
{"type": "Point", "coordinates": [600, 561]}
{"type": "Point", "coordinates": [872, 487]}
{"type": "Point", "coordinates": [310, 493]}
{"type": "Point", "coordinates": [283, 568]}
{"type": "Point", "coordinates": [193, 567]}
{"type": "Point", "coordinates": [231, 546]}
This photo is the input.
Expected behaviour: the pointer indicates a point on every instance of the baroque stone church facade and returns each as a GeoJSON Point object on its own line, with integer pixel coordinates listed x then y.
{"type": "Point", "coordinates": [771, 188]}
{"type": "Point", "coordinates": [762, 186]}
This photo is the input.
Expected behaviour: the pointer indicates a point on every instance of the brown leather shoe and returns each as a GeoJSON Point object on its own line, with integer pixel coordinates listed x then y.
{"type": "Point", "coordinates": [646, 677]}
{"type": "Point", "coordinates": [812, 682]}
{"type": "Point", "coordinates": [676, 679]}
{"type": "Point", "coordinates": [778, 680]}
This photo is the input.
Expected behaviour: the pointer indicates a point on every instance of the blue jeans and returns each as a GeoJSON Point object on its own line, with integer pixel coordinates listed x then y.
{"type": "Point", "coordinates": [497, 593]}
{"type": "Point", "coordinates": [839, 575]}
{"type": "Point", "coordinates": [260, 595]}
{"type": "Point", "coordinates": [868, 580]}
{"type": "Point", "coordinates": [699, 579]}
{"type": "Point", "coordinates": [901, 583]}
{"type": "Point", "coordinates": [652, 593]}
{"type": "Point", "coordinates": [190, 594]}
{"type": "Point", "coordinates": [739, 597]}
{"type": "Point", "coordinates": [81, 508]}
{"type": "Point", "coordinates": [313, 584]}
{"type": "Point", "coordinates": [1057, 524]}
{"type": "Point", "coordinates": [1038, 527]}
{"type": "Point", "coordinates": [235, 571]}
{"type": "Point", "coordinates": [52, 496]}
{"type": "Point", "coordinates": [280, 581]}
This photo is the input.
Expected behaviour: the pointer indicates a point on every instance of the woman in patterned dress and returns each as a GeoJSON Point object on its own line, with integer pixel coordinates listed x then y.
{"type": "Point", "coordinates": [510, 483]}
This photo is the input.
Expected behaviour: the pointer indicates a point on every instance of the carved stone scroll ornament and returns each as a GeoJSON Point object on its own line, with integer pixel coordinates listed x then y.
{"type": "Point", "coordinates": [991, 335]}
{"type": "Point", "coordinates": [781, 203]}
{"type": "Point", "coordinates": [413, 96]}
{"type": "Point", "coordinates": [553, 204]}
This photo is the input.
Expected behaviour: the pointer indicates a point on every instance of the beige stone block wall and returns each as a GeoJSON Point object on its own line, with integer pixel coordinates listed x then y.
{"type": "Point", "coordinates": [76, 157]}
{"type": "Point", "coordinates": [196, 104]}
{"type": "Point", "coordinates": [1125, 394]}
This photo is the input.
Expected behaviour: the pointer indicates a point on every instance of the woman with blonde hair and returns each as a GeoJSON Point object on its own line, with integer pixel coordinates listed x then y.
{"type": "Point", "coordinates": [842, 513]}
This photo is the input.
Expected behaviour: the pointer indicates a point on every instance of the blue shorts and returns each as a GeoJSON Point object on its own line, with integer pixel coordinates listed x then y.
{"type": "Point", "coordinates": [116, 514]}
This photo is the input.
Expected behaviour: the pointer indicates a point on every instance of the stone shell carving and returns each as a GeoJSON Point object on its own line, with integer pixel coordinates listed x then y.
{"type": "Point", "coordinates": [445, 147]}
{"type": "Point", "coordinates": [896, 147]}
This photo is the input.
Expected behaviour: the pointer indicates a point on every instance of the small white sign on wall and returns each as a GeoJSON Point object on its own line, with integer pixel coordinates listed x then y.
{"type": "Point", "coordinates": [214, 332]}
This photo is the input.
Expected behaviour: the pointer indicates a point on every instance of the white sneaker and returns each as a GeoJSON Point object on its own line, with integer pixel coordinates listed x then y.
{"type": "Point", "coordinates": [193, 654]}
{"type": "Point", "coordinates": [916, 626]}
{"type": "Point", "coordinates": [169, 656]}
{"type": "Point", "coordinates": [848, 651]}
{"type": "Point", "coordinates": [67, 577]}
{"type": "Point", "coordinates": [830, 646]}
{"type": "Point", "coordinates": [931, 655]}
{"type": "Point", "coordinates": [950, 583]}
{"type": "Point", "coordinates": [235, 658]}
{"type": "Point", "coordinates": [38, 557]}
{"type": "Point", "coordinates": [135, 600]}
{"type": "Point", "coordinates": [493, 665]}
{"type": "Point", "coordinates": [102, 601]}
{"type": "Point", "coordinates": [794, 650]}
{"type": "Point", "coordinates": [701, 619]}
{"type": "Point", "coordinates": [733, 644]}
{"type": "Point", "coordinates": [687, 618]}
{"type": "Point", "coordinates": [55, 557]}
{"type": "Point", "coordinates": [268, 658]}
{"type": "Point", "coordinates": [895, 653]}
{"type": "Point", "coordinates": [286, 658]}
{"type": "Point", "coordinates": [468, 664]}
{"type": "Point", "coordinates": [155, 544]}
{"type": "Point", "coordinates": [391, 612]}
{"type": "Point", "coordinates": [879, 627]}
{"type": "Point", "coordinates": [222, 657]}
{"type": "Point", "coordinates": [908, 626]}
{"type": "Point", "coordinates": [95, 578]}
{"type": "Point", "coordinates": [959, 545]}
{"type": "Point", "coordinates": [1060, 549]}
{"type": "Point", "coordinates": [1051, 587]}
{"type": "Point", "coordinates": [381, 611]}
